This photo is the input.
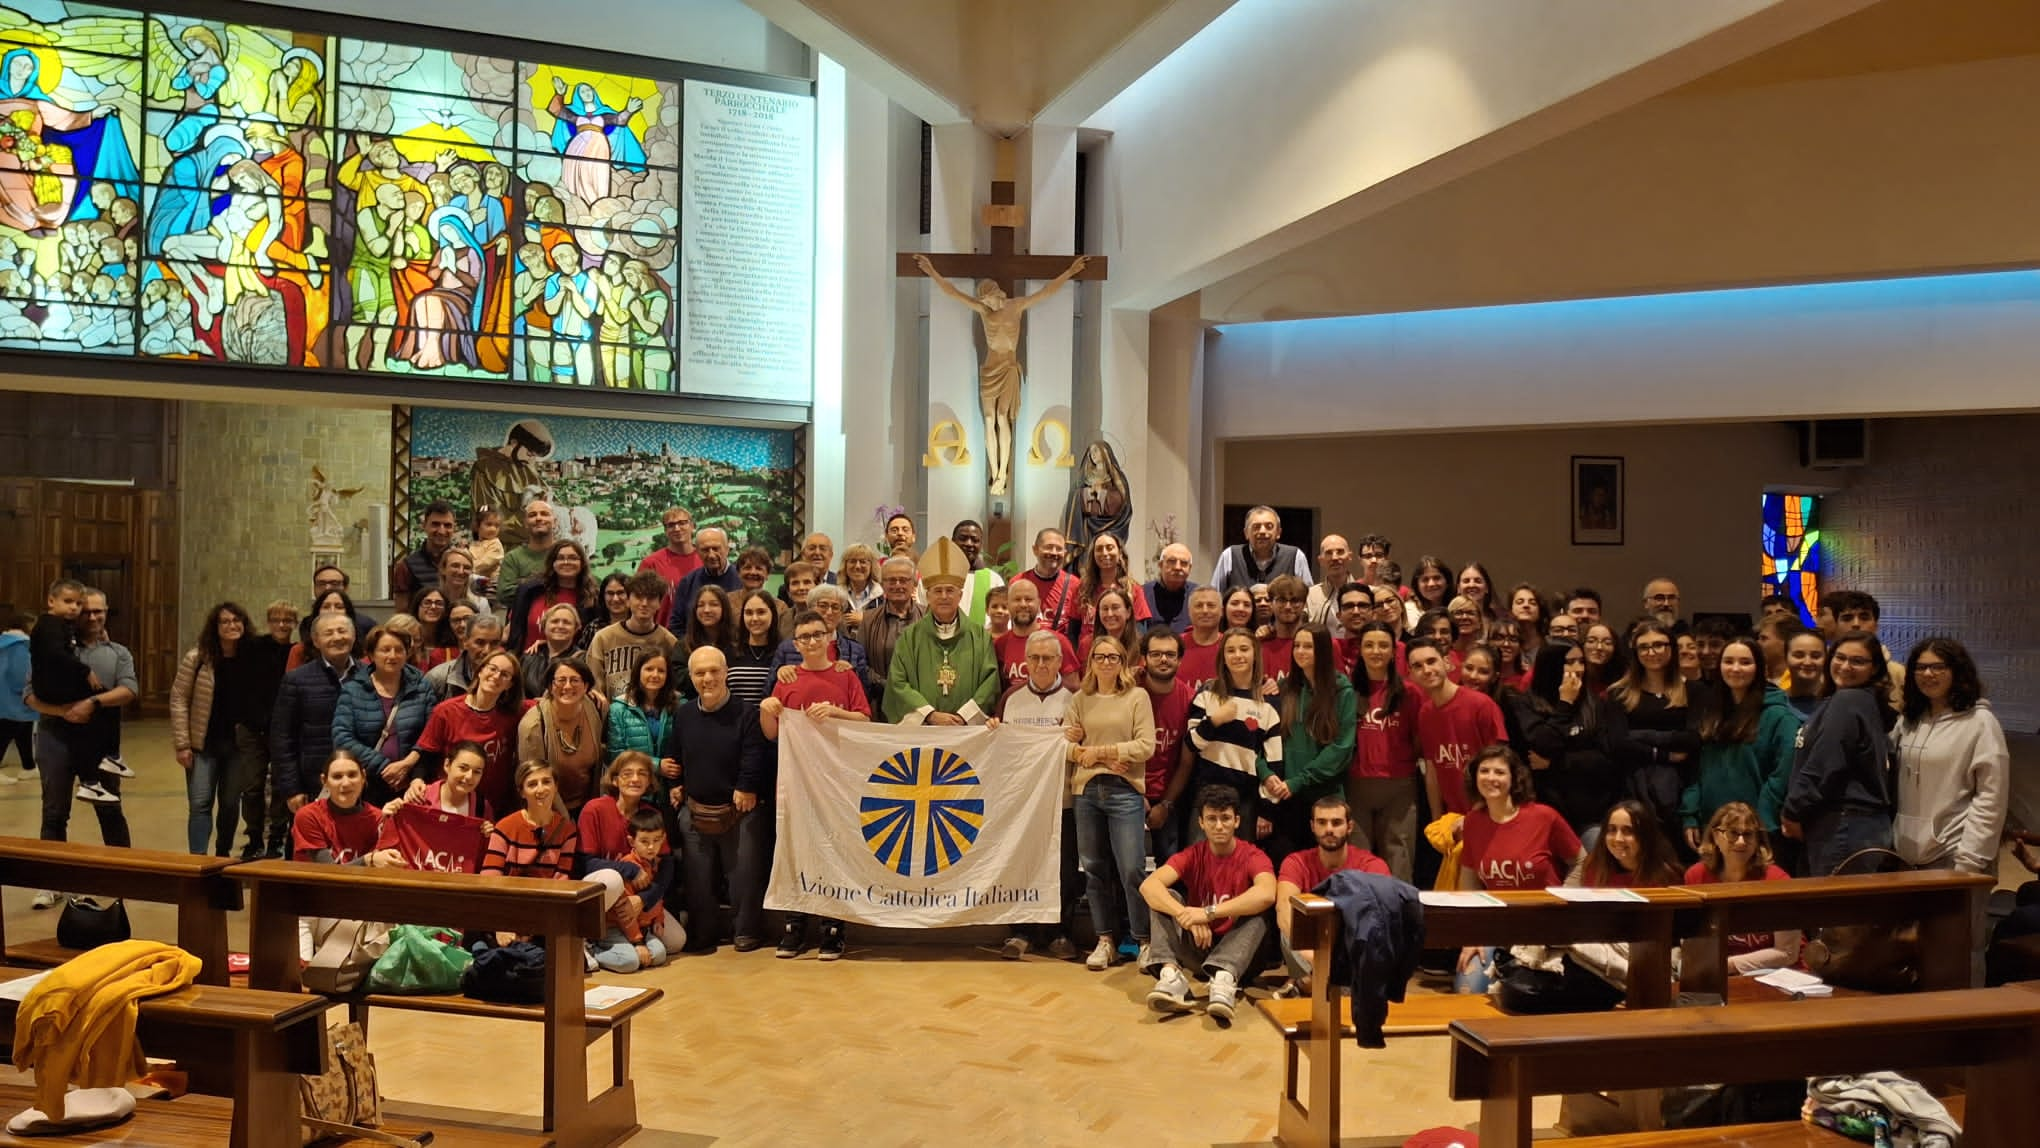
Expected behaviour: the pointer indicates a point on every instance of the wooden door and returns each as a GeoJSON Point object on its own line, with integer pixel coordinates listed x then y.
{"type": "Point", "coordinates": [26, 568]}
{"type": "Point", "coordinates": [153, 636]}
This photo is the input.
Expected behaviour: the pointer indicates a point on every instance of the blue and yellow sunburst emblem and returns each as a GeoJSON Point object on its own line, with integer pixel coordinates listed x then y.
{"type": "Point", "coordinates": [925, 802]}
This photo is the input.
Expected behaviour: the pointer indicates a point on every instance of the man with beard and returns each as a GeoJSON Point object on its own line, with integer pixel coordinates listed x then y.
{"type": "Point", "coordinates": [1023, 604]}
{"type": "Point", "coordinates": [1331, 823]}
{"type": "Point", "coordinates": [541, 530]}
{"type": "Point", "coordinates": [1168, 771]}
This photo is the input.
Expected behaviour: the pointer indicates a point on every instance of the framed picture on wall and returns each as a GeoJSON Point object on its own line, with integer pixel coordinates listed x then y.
{"type": "Point", "coordinates": [1598, 506]}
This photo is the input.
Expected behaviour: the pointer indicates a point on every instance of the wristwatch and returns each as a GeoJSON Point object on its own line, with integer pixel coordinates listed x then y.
{"type": "Point", "coordinates": [1210, 914]}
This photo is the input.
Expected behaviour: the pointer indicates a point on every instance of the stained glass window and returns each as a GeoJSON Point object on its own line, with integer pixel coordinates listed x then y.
{"type": "Point", "coordinates": [187, 188]}
{"type": "Point", "coordinates": [1794, 555]}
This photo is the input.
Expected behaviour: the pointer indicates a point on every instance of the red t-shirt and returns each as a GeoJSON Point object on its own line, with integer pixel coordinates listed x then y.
{"type": "Point", "coordinates": [1277, 655]}
{"type": "Point", "coordinates": [1739, 944]}
{"type": "Point", "coordinates": [1058, 595]}
{"type": "Point", "coordinates": [1385, 741]}
{"type": "Point", "coordinates": [1011, 647]}
{"type": "Point", "coordinates": [1450, 736]}
{"type": "Point", "coordinates": [350, 835]}
{"type": "Point", "coordinates": [1303, 869]}
{"type": "Point", "coordinates": [1089, 610]}
{"type": "Point", "coordinates": [1172, 721]}
{"type": "Point", "coordinates": [1208, 878]}
{"type": "Point", "coordinates": [672, 567]}
{"type": "Point", "coordinates": [830, 685]}
{"type": "Point", "coordinates": [1199, 664]}
{"type": "Point", "coordinates": [454, 721]}
{"type": "Point", "coordinates": [1525, 852]}
{"type": "Point", "coordinates": [604, 830]}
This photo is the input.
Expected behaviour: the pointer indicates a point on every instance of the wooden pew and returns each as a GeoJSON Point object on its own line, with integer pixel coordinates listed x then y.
{"type": "Point", "coordinates": [248, 1044]}
{"type": "Point", "coordinates": [1314, 1028]}
{"type": "Point", "coordinates": [1994, 1034]}
{"type": "Point", "coordinates": [198, 886]}
{"type": "Point", "coordinates": [1942, 901]}
{"type": "Point", "coordinates": [561, 914]}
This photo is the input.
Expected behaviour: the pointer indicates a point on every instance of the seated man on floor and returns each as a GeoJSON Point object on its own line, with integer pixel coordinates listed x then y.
{"type": "Point", "coordinates": [1331, 823]}
{"type": "Point", "coordinates": [1229, 885]}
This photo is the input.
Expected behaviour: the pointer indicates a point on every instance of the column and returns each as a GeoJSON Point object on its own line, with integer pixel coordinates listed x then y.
{"type": "Point", "coordinates": [962, 175]}
{"type": "Point", "coordinates": [1048, 187]}
{"type": "Point", "coordinates": [1178, 477]}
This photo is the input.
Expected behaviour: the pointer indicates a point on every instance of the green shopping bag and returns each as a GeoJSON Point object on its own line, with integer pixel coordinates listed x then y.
{"type": "Point", "coordinates": [421, 960]}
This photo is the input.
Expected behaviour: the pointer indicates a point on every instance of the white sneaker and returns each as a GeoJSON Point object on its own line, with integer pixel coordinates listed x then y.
{"type": "Point", "coordinates": [115, 766]}
{"type": "Point", "coordinates": [44, 900]}
{"type": "Point", "coordinates": [97, 795]}
{"type": "Point", "coordinates": [9, 779]}
{"type": "Point", "coordinates": [1101, 957]}
{"type": "Point", "coordinates": [1171, 993]}
{"type": "Point", "coordinates": [1224, 992]}
{"type": "Point", "coordinates": [1142, 962]}
{"type": "Point", "coordinates": [1014, 948]}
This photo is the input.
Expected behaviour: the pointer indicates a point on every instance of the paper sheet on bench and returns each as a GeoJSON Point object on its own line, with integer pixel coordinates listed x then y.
{"type": "Point", "coordinates": [608, 996]}
{"type": "Point", "coordinates": [17, 989]}
{"type": "Point", "coordinates": [1794, 981]}
{"type": "Point", "coordinates": [1446, 899]}
{"type": "Point", "coordinates": [1576, 893]}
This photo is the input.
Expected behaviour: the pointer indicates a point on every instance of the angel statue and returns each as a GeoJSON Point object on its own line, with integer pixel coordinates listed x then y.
{"type": "Point", "coordinates": [999, 374]}
{"type": "Point", "coordinates": [328, 532]}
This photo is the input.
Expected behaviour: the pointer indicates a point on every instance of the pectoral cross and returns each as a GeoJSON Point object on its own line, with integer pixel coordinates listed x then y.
{"type": "Point", "coordinates": [946, 676]}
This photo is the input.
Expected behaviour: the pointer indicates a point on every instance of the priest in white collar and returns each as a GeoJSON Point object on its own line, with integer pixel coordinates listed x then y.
{"type": "Point", "coordinates": [944, 670]}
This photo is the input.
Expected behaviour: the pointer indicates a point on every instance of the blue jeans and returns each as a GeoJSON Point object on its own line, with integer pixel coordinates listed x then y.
{"type": "Point", "coordinates": [1112, 842]}
{"type": "Point", "coordinates": [1833, 836]}
{"type": "Point", "coordinates": [1474, 979]}
{"type": "Point", "coordinates": [615, 953]}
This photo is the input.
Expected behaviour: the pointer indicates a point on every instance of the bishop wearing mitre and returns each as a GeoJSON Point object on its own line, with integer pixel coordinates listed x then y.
{"type": "Point", "coordinates": [944, 669]}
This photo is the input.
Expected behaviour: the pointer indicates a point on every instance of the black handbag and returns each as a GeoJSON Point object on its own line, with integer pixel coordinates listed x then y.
{"type": "Point", "coordinates": [89, 922]}
{"type": "Point", "coordinates": [1530, 991]}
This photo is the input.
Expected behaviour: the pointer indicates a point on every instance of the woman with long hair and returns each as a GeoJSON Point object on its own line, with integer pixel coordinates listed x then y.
{"type": "Point", "coordinates": [1505, 638]}
{"type": "Point", "coordinates": [1954, 769]}
{"type": "Point", "coordinates": [437, 641]}
{"type": "Point", "coordinates": [1432, 586]}
{"type": "Point", "coordinates": [381, 714]}
{"type": "Point", "coordinates": [539, 838]}
{"type": "Point", "coordinates": [711, 624]}
{"type": "Point", "coordinates": [638, 719]}
{"type": "Point", "coordinates": [1806, 668]}
{"type": "Point", "coordinates": [1474, 585]}
{"type": "Point", "coordinates": [859, 579]}
{"type": "Point", "coordinates": [614, 597]}
{"type": "Point", "coordinates": [1630, 851]}
{"type": "Point", "coordinates": [564, 730]}
{"type": "Point", "coordinates": [1653, 698]}
{"type": "Point", "coordinates": [565, 580]}
{"type": "Point", "coordinates": [1479, 672]}
{"type": "Point", "coordinates": [751, 655]}
{"type": "Point", "coordinates": [1110, 725]}
{"type": "Point", "coordinates": [1239, 608]}
{"type": "Point", "coordinates": [627, 786]}
{"type": "Point", "coordinates": [212, 731]}
{"type": "Point", "coordinates": [1383, 785]}
{"type": "Point", "coordinates": [1573, 738]}
{"type": "Point", "coordinates": [1320, 716]}
{"type": "Point", "coordinates": [1606, 662]}
{"type": "Point", "coordinates": [1747, 730]}
{"type": "Point", "coordinates": [1734, 847]}
{"type": "Point", "coordinates": [486, 715]}
{"type": "Point", "coordinates": [1112, 615]}
{"type": "Point", "coordinates": [1839, 799]}
{"type": "Point", "coordinates": [1508, 841]}
{"type": "Point", "coordinates": [1529, 608]}
{"type": "Point", "coordinates": [560, 636]}
{"type": "Point", "coordinates": [1104, 569]}
{"type": "Point", "coordinates": [1236, 735]}
{"type": "Point", "coordinates": [338, 827]}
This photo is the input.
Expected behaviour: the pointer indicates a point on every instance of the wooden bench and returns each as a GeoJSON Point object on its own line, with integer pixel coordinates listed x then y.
{"type": "Point", "coordinates": [560, 914]}
{"type": "Point", "coordinates": [1941, 901]}
{"type": "Point", "coordinates": [196, 1121]}
{"type": "Point", "coordinates": [1314, 1028]}
{"type": "Point", "coordinates": [246, 1044]}
{"type": "Point", "coordinates": [1503, 1062]}
{"type": "Point", "coordinates": [198, 886]}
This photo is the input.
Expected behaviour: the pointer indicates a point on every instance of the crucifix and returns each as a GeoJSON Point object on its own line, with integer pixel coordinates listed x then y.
{"type": "Point", "coordinates": [999, 311]}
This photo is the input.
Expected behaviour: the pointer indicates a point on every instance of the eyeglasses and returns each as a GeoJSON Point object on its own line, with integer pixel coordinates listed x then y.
{"type": "Point", "coordinates": [1650, 647]}
{"type": "Point", "coordinates": [677, 522]}
{"type": "Point", "coordinates": [1355, 604]}
{"type": "Point", "coordinates": [1106, 658]}
{"type": "Point", "coordinates": [1854, 661]}
{"type": "Point", "coordinates": [1163, 654]}
{"type": "Point", "coordinates": [1735, 834]}
{"type": "Point", "coordinates": [1921, 668]}
{"type": "Point", "coordinates": [811, 637]}
{"type": "Point", "coordinates": [1663, 599]}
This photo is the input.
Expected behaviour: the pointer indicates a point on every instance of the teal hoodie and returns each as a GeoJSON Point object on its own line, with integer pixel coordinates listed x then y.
{"type": "Point", "coordinates": [1754, 772]}
{"type": "Point", "coordinates": [14, 677]}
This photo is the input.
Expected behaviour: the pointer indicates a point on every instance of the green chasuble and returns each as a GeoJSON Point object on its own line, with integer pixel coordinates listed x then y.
{"type": "Point", "coordinates": [921, 663]}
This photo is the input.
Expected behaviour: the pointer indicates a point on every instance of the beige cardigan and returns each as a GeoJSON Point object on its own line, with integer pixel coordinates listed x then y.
{"type": "Point", "coordinates": [190, 700]}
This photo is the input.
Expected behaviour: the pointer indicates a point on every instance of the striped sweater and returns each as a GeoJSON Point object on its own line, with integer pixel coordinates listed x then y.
{"type": "Point", "coordinates": [518, 849]}
{"type": "Point", "coordinates": [1248, 744]}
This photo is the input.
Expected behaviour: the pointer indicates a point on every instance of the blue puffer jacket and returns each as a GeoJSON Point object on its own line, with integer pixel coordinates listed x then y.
{"type": "Point", "coordinates": [358, 718]}
{"type": "Point", "coordinates": [301, 726]}
{"type": "Point", "coordinates": [14, 677]}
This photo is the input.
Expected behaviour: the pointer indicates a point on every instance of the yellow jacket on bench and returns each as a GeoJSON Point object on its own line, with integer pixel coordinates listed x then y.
{"type": "Point", "coordinates": [78, 1024]}
{"type": "Point", "coordinates": [1442, 836]}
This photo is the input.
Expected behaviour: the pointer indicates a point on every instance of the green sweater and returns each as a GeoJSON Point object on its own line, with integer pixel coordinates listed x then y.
{"type": "Point", "coordinates": [1754, 772]}
{"type": "Point", "coordinates": [1311, 769]}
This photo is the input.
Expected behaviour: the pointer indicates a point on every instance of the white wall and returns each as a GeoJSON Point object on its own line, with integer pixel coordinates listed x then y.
{"type": "Point", "coordinates": [1504, 498]}
{"type": "Point", "coordinates": [1936, 344]}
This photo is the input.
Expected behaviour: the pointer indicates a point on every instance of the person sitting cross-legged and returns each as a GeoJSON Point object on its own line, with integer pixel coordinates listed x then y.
{"type": "Point", "coordinates": [1229, 887]}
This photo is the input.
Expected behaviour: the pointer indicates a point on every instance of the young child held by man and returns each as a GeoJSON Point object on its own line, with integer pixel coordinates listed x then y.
{"type": "Point", "coordinates": [59, 677]}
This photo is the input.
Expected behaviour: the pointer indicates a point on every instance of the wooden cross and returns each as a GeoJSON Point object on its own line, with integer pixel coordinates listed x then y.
{"type": "Point", "coordinates": [1002, 265]}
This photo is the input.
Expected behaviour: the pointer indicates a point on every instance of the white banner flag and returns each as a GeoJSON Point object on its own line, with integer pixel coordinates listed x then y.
{"type": "Point", "coordinates": [918, 827]}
